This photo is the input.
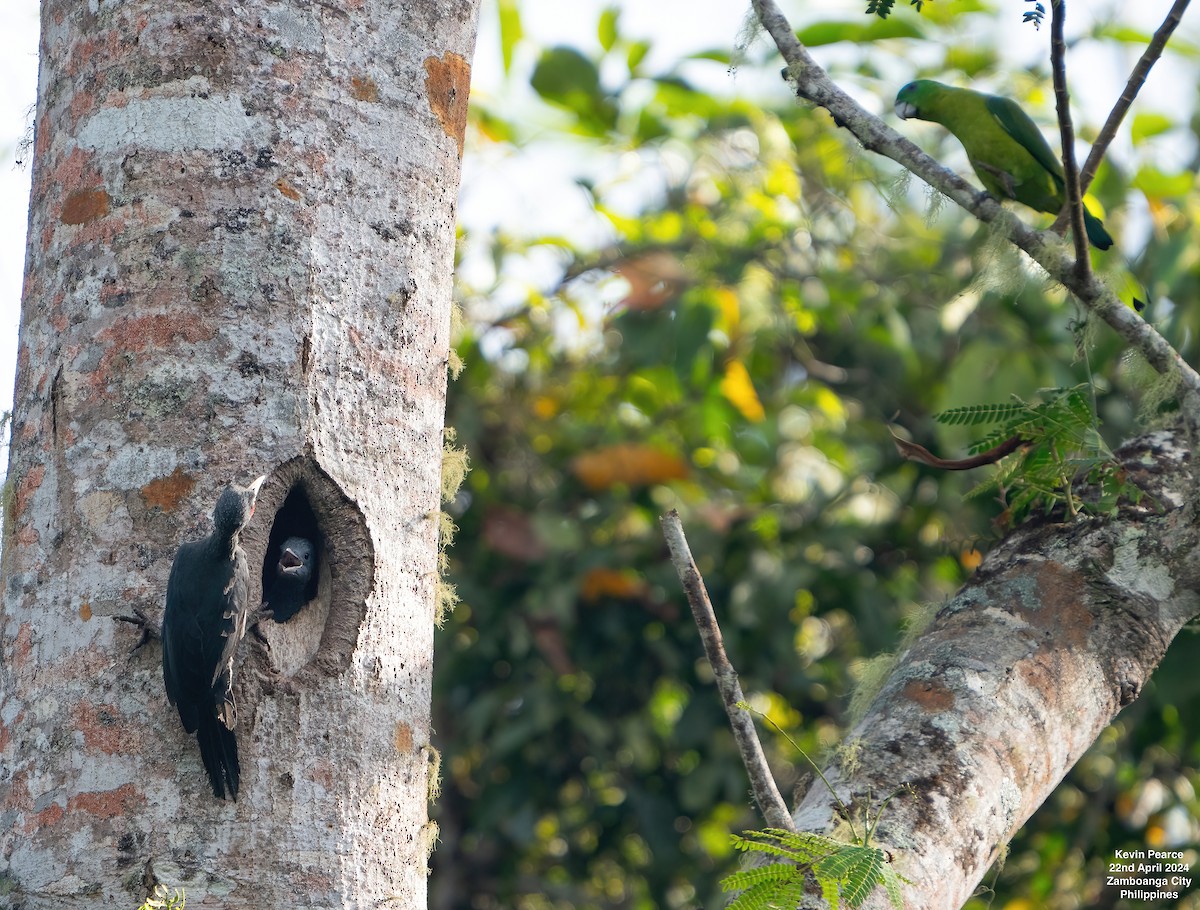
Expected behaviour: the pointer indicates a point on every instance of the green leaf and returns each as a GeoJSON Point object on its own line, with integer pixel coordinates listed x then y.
{"type": "Point", "coordinates": [607, 29]}
{"type": "Point", "coordinates": [562, 72]}
{"type": "Point", "coordinates": [510, 30]}
{"type": "Point", "coordinates": [637, 53]}
{"type": "Point", "coordinates": [749, 878]}
{"type": "Point", "coordinates": [1159, 185]}
{"type": "Point", "coordinates": [565, 77]}
{"type": "Point", "coordinates": [1149, 124]}
{"type": "Point", "coordinates": [977, 414]}
{"type": "Point", "coordinates": [822, 33]}
{"type": "Point", "coordinates": [891, 884]}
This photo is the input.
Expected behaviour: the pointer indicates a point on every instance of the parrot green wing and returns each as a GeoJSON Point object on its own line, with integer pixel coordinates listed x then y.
{"type": "Point", "coordinates": [1020, 127]}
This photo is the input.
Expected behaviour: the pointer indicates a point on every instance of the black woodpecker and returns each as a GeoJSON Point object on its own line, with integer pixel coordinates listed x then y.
{"type": "Point", "coordinates": [205, 618]}
{"type": "Point", "coordinates": [290, 584]}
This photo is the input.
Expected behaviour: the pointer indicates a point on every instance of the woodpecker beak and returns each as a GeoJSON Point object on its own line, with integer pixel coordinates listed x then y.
{"type": "Point", "coordinates": [905, 110]}
{"type": "Point", "coordinates": [256, 485]}
{"type": "Point", "coordinates": [289, 560]}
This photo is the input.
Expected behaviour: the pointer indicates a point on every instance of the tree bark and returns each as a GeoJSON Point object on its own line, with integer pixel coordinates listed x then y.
{"type": "Point", "coordinates": [239, 262]}
{"type": "Point", "coordinates": [983, 716]}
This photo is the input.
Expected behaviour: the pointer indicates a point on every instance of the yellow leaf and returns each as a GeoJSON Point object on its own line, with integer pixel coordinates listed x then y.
{"type": "Point", "coordinates": [627, 463]}
{"type": "Point", "coordinates": [601, 582]}
{"type": "Point", "coordinates": [544, 407]}
{"type": "Point", "coordinates": [737, 387]}
{"type": "Point", "coordinates": [727, 299]}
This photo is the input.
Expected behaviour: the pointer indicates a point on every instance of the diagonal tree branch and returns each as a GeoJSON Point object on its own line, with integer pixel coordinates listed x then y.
{"type": "Point", "coordinates": [1066, 129]}
{"type": "Point", "coordinates": [766, 794]}
{"type": "Point", "coordinates": [1136, 79]}
{"type": "Point", "coordinates": [1046, 249]}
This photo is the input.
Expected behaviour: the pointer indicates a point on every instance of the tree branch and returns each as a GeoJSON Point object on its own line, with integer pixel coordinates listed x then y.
{"type": "Point", "coordinates": [1046, 249]}
{"type": "Point", "coordinates": [1066, 129]}
{"type": "Point", "coordinates": [766, 793]}
{"type": "Point", "coordinates": [1136, 79]}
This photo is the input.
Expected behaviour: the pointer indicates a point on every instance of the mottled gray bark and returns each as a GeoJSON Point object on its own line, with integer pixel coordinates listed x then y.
{"type": "Point", "coordinates": [983, 716]}
{"type": "Point", "coordinates": [239, 262]}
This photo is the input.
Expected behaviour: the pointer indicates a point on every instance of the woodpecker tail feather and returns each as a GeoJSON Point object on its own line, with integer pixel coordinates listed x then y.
{"type": "Point", "coordinates": [218, 751]}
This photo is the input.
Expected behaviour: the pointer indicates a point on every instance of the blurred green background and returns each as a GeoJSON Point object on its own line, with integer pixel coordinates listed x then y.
{"type": "Point", "coordinates": [721, 307]}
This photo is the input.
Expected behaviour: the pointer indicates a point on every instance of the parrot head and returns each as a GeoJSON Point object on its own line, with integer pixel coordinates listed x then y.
{"type": "Point", "coordinates": [910, 98]}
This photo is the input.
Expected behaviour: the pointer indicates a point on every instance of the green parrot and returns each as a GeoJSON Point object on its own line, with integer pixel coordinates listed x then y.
{"type": "Point", "coordinates": [1009, 153]}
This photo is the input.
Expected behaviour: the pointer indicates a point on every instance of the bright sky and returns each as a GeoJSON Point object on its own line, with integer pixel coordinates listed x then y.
{"type": "Point", "coordinates": [675, 26]}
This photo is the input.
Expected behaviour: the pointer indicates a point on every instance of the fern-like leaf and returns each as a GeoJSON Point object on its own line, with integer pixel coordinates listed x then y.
{"type": "Point", "coordinates": [978, 414]}
{"type": "Point", "coordinates": [830, 891]}
{"type": "Point", "coordinates": [891, 884]}
{"type": "Point", "coordinates": [749, 878]}
{"type": "Point", "coordinates": [797, 846]}
{"type": "Point", "coordinates": [760, 897]}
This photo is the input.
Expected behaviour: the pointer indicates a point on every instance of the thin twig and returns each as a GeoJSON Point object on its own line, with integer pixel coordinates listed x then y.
{"type": "Point", "coordinates": [1136, 79]}
{"type": "Point", "coordinates": [814, 84]}
{"type": "Point", "coordinates": [766, 794]}
{"type": "Point", "coordinates": [1062, 99]}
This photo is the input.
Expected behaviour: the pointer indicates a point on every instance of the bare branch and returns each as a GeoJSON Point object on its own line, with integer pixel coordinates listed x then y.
{"type": "Point", "coordinates": [1136, 79]}
{"type": "Point", "coordinates": [916, 452]}
{"type": "Point", "coordinates": [1062, 99]}
{"type": "Point", "coordinates": [766, 794]}
{"type": "Point", "coordinates": [1046, 249]}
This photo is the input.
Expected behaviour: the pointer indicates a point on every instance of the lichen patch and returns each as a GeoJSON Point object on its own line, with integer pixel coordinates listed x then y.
{"type": "Point", "coordinates": [934, 697]}
{"type": "Point", "coordinates": [168, 492]}
{"type": "Point", "coordinates": [83, 206]}
{"type": "Point", "coordinates": [448, 85]}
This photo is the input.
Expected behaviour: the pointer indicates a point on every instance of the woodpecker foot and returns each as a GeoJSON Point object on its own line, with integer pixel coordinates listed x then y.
{"type": "Point", "coordinates": [263, 613]}
{"type": "Point", "coordinates": [275, 684]}
{"type": "Point", "coordinates": [151, 630]}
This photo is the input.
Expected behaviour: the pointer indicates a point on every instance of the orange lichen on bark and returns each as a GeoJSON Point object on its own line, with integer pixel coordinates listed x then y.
{"type": "Point", "coordinates": [1069, 619]}
{"type": "Point", "coordinates": [322, 773]}
{"type": "Point", "coordinates": [51, 815]}
{"type": "Point", "coordinates": [85, 611]}
{"type": "Point", "coordinates": [404, 738]}
{"type": "Point", "coordinates": [26, 487]}
{"type": "Point", "coordinates": [932, 696]}
{"type": "Point", "coordinates": [168, 492]}
{"type": "Point", "coordinates": [106, 803]}
{"type": "Point", "coordinates": [363, 88]}
{"type": "Point", "coordinates": [83, 206]}
{"type": "Point", "coordinates": [98, 724]}
{"type": "Point", "coordinates": [287, 189]}
{"type": "Point", "coordinates": [107, 46]}
{"type": "Point", "coordinates": [74, 169]}
{"type": "Point", "coordinates": [448, 85]}
{"type": "Point", "coordinates": [158, 331]}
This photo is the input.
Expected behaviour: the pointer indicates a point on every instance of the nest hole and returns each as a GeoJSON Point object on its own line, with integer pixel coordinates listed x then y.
{"type": "Point", "coordinates": [317, 621]}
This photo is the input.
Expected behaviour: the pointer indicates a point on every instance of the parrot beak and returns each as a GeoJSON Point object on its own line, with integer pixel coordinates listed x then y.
{"type": "Point", "coordinates": [905, 110]}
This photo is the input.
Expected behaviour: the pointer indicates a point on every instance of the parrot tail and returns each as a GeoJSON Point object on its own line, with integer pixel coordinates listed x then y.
{"type": "Point", "coordinates": [1095, 231]}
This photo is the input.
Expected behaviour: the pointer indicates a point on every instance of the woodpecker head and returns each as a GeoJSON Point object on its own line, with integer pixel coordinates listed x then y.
{"type": "Point", "coordinates": [296, 559]}
{"type": "Point", "coordinates": [236, 505]}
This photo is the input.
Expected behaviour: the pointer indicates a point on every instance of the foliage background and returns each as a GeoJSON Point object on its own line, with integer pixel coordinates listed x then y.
{"type": "Point", "coordinates": [732, 304]}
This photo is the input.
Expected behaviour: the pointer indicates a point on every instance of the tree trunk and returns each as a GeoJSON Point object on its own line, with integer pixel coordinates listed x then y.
{"type": "Point", "coordinates": [983, 716]}
{"type": "Point", "coordinates": [239, 262]}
